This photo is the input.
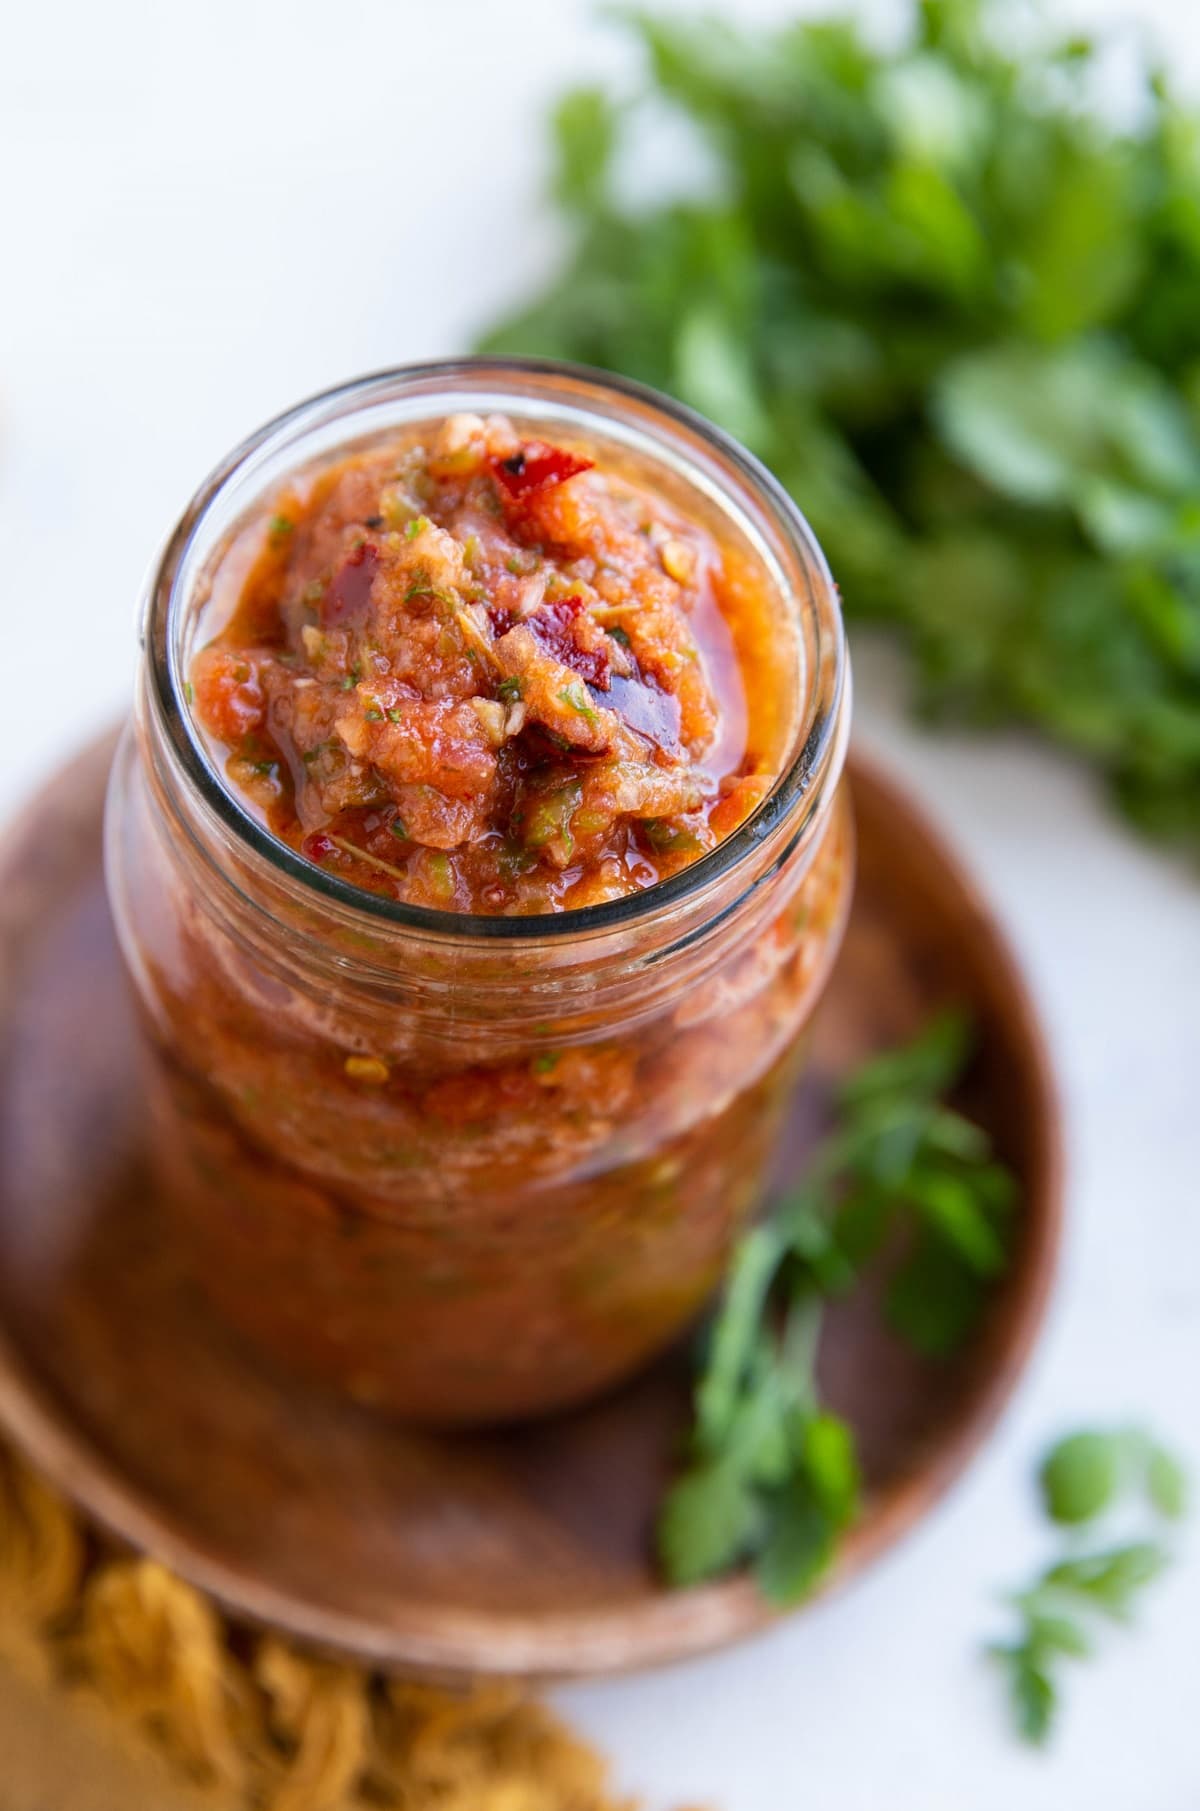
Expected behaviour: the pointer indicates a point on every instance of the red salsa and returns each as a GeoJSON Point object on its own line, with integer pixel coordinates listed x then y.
{"type": "Point", "coordinates": [483, 673]}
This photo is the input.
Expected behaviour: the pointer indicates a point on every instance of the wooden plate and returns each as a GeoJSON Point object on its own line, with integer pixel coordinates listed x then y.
{"type": "Point", "coordinates": [524, 1553]}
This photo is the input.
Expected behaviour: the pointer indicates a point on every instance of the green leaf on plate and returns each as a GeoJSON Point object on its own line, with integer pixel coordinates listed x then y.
{"type": "Point", "coordinates": [1080, 1476]}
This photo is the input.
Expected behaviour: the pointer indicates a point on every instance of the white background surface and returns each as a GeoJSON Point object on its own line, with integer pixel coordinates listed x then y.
{"type": "Point", "coordinates": [206, 213]}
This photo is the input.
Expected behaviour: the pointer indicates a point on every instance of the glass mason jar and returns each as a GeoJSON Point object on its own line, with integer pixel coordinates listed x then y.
{"type": "Point", "coordinates": [470, 1168]}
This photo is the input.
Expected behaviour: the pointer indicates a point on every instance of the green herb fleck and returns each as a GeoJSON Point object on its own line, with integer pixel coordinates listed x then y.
{"type": "Point", "coordinates": [373, 715]}
{"type": "Point", "coordinates": [441, 874]}
{"type": "Point", "coordinates": [509, 690]}
{"type": "Point", "coordinates": [421, 585]}
{"type": "Point", "coordinates": [417, 526]}
{"type": "Point", "coordinates": [546, 1062]}
{"type": "Point", "coordinates": [394, 714]}
{"type": "Point", "coordinates": [280, 527]}
{"type": "Point", "coordinates": [546, 817]}
{"type": "Point", "coordinates": [669, 839]}
{"type": "Point", "coordinates": [575, 698]}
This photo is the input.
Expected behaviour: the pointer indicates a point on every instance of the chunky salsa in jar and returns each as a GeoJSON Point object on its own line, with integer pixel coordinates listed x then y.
{"type": "Point", "coordinates": [477, 671]}
{"type": "Point", "coordinates": [479, 859]}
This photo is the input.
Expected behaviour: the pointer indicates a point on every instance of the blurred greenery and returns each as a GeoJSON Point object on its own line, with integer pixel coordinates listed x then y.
{"type": "Point", "coordinates": [959, 315]}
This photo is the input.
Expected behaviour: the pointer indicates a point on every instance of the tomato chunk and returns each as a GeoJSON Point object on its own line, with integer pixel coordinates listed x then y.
{"type": "Point", "coordinates": [535, 467]}
{"type": "Point", "coordinates": [228, 692]}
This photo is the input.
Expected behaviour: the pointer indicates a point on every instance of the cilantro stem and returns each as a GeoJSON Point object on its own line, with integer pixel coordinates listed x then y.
{"type": "Point", "coordinates": [367, 856]}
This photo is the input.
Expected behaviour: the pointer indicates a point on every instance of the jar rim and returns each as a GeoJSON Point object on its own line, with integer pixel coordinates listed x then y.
{"type": "Point", "coordinates": [792, 801]}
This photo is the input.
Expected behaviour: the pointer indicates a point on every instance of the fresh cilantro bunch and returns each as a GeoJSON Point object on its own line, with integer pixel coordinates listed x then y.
{"type": "Point", "coordinates": [956, 313]}
{"type": "Point", "coordinates": [772, 1476]}
{"type": "Point", "coordinates": [1082, 1478]}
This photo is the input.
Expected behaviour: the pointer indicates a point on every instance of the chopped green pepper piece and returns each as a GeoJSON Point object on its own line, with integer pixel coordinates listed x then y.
{"type": "Point", "coordinates": [548, 815]}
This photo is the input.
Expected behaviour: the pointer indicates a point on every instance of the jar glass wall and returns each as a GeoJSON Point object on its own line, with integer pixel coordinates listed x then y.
{"type": "Point", "coordinates": [471, 1168]}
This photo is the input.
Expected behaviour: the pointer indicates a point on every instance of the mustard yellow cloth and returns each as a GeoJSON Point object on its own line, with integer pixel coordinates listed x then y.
{"type": "Point", "coordinates": [118, 1679]}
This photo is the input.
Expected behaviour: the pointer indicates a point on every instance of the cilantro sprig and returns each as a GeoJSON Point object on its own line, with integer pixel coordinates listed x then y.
{"type": "Point", "coordinates": [1083, 1479]}
{"type": "Point", "coordinates": [772, 1476]}
{"type": "Point", "coordinates": [954, 310]}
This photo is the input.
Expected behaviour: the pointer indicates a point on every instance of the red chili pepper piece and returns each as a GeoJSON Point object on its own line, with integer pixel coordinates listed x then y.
{"type": "Point", "coordinates": [350, 591]}
{"type": "Point", "coordinates": [537, 466]}
{"type": "Point", "coordinates": [318, 847]}
{"type": "Point", "coordinates": [554, 627]}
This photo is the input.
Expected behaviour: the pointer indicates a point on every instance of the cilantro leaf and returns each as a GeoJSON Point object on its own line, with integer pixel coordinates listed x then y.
{"type": "Point", "coordinates": [922, 1070]}
{"type": "Point", "coordinates": [799, 1546]}
{"type": "Point", "coordinates": [1080, 1477]}
{"type": "Point", "coordinates": [585, 131]}
{"type": "Point", "coordinates": [1034, 1698]}
{"type": "Point", "coordinates": [1166, 1483]}
{"type": "Point", "coordinates": [707, 1521]}
{"type": "Point", "coordinates": [1083, 1476]}
{"type": "Point", "coordinates": [771, 1476]}
{"type": "Point", "coordinates": [1109, 1581]}
{"type": "Point", "coordinates": [831, 1468]}
{"type": "Point", "coordinates": [932, 1301]}
{"type": "Point", "coordinates": [1049, 1633]}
